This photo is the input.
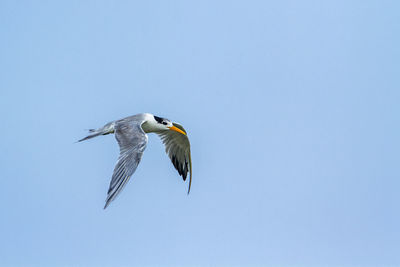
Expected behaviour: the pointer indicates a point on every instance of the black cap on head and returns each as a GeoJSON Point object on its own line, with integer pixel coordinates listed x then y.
{"type": "Point", "coordinates": [158, 119]}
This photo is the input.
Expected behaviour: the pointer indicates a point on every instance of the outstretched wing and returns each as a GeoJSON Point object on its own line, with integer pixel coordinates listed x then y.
{"type": "Point", "coordinates": [177, 147]}
{"type": "Point", "coordinates": [132, 143]}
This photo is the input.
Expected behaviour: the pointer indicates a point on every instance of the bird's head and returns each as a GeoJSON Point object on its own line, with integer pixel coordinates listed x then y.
{"type": "Point", "coordinates": [155, 124]}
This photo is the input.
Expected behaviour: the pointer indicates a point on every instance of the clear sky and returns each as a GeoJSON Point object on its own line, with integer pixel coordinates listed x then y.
{"type": "Point", "coordinates": [292, 109]}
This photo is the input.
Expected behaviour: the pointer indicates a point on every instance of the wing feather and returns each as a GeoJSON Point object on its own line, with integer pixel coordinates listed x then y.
{"type": "Point", "coordinates": [177, 147]}
{"type": "Point", "coordinates": [132, 143]}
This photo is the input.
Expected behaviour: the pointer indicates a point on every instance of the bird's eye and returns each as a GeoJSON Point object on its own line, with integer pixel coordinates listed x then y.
{"type": "Point", "coordinates": [164, 122]}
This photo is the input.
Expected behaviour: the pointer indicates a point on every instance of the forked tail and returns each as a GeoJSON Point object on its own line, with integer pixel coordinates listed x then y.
{"type": "Point", "coordinates": [106, 129]}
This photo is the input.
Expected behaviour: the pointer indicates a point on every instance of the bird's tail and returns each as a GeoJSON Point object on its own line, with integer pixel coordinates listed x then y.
{"type": "Point", "coordinates": [106, 129]}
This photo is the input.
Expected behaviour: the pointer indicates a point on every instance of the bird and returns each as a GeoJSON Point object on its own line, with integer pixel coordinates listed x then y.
{"type": "Point", "coordinates": [131, 134]}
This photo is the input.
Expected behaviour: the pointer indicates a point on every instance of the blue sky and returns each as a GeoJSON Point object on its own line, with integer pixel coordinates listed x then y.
{"type": "Point", "coordinates": [292, 109]}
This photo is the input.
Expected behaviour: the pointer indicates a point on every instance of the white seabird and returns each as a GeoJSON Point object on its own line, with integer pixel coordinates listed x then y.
{"type": "Point", "coordinates": [131, 135]}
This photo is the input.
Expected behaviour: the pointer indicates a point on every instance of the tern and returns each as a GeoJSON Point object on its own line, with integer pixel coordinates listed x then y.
{"type": "Point", "coordinates": [131, 134]}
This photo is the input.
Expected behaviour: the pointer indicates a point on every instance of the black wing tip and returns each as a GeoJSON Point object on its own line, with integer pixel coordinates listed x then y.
{"type": "Point", "coordinates": [108, 201]}
{"type": "Point", "coordinates": [179, 167]}
{"type": "Point", "coordinates": [190, 185]}
{"type": "Point", "coordinates": [109, 198]}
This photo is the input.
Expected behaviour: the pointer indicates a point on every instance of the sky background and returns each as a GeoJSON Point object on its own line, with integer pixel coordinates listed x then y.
{"type": "Point", "coordinates": [292, 110]}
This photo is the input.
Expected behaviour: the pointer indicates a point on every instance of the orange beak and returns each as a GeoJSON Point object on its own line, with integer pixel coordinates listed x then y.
{"type": "Point", "coordinates": [173, 128]}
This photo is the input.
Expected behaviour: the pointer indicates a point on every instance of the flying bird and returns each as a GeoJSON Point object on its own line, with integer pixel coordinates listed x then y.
{"type": "Point", "coordinates": [131, 135]}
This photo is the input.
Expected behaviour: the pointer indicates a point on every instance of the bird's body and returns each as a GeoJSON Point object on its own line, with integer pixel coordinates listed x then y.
{"type": "Point", "coordinates": [131, 135]}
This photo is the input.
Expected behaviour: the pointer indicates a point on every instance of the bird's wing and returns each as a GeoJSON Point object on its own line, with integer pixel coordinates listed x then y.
{"type": "Point", "coordinates": [177, 147]}
{"type": "Point", "coordinates": [132, 143]}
